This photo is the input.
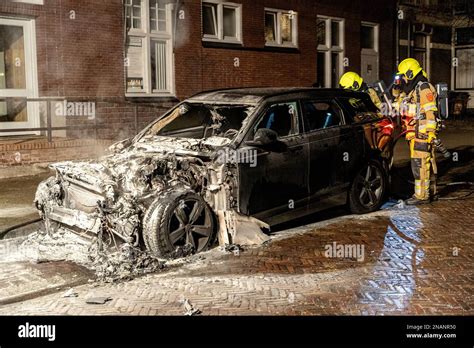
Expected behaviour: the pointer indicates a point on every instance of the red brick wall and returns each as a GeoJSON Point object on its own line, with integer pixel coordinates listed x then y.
{"type": "Point", "coordinates": [83, 57]}
{"type": "Point", "coordinates": [212, 68]}
{"type": "Point", "coordinates": [76, 57]}
{"type": "Point", "coordinates": [199, 67]}
{"type": "Point", "coordinates": [40, 151]}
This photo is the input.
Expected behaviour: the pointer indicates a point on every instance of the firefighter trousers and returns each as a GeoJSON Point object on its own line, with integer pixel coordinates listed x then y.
{"type": "Point", "coordinates": [423, 166]}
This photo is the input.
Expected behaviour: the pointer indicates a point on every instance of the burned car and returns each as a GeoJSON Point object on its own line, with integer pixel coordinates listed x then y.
{"type": "Point", "coordinates": [227, 164]}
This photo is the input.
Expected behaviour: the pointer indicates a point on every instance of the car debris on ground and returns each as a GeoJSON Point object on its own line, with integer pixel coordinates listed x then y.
{"type": "Point", "coordinates": [189, 308]}
{"type": "Point", "coordinates": [233, 248]}
{"type": "Point", "coordinates": [98, 300]}
{"type": "Point", "coordinates": [70, 293]}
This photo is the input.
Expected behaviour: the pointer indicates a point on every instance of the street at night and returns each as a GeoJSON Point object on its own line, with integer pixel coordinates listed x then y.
{"type": "Point", "coordinates": [259, 166]}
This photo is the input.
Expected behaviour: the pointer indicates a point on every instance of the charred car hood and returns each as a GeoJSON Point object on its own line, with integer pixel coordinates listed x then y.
{"type": "Point", "coordinates": [137, 168]}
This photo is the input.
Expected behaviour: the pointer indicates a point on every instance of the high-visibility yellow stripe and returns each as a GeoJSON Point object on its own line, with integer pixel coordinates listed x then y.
{"type": "Point", "coordinates": [431, 125]}
{"type": "Point", "coordinates": [431, 106]}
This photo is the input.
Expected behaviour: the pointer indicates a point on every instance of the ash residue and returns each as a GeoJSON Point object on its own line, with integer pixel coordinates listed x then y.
{"type": "Point", "coordinates": [182, 251]}
{"type": "Point", "coordinates": [123, 264]}
{"type": "Point", "coordinates": [109, 262]}
{"type": "Point", "coordinates": [40, 246]}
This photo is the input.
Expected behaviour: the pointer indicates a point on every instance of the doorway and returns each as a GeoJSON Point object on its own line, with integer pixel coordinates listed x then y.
{"type": "Point", "coordinates": [18, 76]}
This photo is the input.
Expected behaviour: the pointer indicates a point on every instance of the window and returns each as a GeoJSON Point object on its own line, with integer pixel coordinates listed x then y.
{"type": "Point", "coordinates": [330, 39]}
{"type": "Point", "coordinates": [367, 37]}
{"type": "Point", "coordinates": [420, 49]}
{"type": "Point", "coordinates": [369, 59]}
{"type": "Point", "coordinates": [321, 115]}
{"type": "Point", "coordinates": [465, 36]}
{"type": "Point", "coordinates": [149, 62]}
{"type": "Point", "coordinates": [465, 68]}
{"type": "Point", "coordinates": [360, 109]}
{"type": "Point", "coordinates": [199, 121]}
{"type": "Point", "coordinates": [18, 75]}
{"type": "Point", "coordinates": [281, 28]}
{"type": "Point", "coordinates": [282, 118]}
{"type": "Point", "coordinates": [221, 22]}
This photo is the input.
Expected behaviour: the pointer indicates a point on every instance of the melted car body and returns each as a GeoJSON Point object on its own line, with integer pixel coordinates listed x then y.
{"type": "Point", "coordinates": [227, 164]}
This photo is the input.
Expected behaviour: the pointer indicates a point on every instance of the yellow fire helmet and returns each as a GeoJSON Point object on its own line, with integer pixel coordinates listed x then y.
{"type": "Point", "coordinates": [409, 68]}
{"type": "Point", "coordinates": [351, 80]}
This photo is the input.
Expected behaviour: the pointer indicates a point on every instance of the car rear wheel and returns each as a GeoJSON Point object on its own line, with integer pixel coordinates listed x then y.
{"type": "Point", "coordinates": [178, 220]}
{"type": "Point", "coordinates": [368, 189]}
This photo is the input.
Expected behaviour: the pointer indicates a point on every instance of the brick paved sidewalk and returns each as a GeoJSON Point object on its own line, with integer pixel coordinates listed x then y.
{"type": "Point", "coordinates": [416, 261]}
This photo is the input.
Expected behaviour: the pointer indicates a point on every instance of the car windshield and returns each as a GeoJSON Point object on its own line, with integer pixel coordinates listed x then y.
{"type": "Point", "coordinates": [201, 121]}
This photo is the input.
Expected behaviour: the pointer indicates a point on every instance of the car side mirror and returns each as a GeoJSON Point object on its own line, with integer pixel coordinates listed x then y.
{"type": "Point", "coordinates": [266, 139]}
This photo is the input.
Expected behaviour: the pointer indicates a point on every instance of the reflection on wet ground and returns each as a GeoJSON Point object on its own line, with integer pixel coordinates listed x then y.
{"type": "Point", "coordinates": [416, 260]}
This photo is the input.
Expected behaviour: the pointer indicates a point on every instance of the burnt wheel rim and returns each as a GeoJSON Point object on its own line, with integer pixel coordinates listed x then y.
{"type": "Point", "coordinates": [369, 186]}
{"type": "Point", "coordinates": [190, 224]}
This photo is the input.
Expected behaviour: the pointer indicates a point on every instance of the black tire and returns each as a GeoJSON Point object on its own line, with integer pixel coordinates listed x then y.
{"type": "Point", "coordinates": [368, 188]}
{"type": "Point", "coordinates": [165, 217]}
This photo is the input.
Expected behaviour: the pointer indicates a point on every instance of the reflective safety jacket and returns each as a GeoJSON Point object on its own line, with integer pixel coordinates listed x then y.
{"type": "Point", "coordinates": [421, 112]}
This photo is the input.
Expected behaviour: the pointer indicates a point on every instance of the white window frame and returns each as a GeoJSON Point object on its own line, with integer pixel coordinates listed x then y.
{"type": "Point", "coordinates": [373, 51]}
{"type": "Point", "coordinates": [294, 28]}
{"type": "Point", "coordinates": [148, 36]}
{"type": "Point", "coordinates": [34, 2]}
{"type": "Point", "coordinates": [376, 28]}
{"type": "Point", "coordinates": [328, 48]}
{"type": "Point", "coordinates": [220, 22]}
{"type": "Point", "coordinates": [459, 72]}
{"type": "Point", "coordinates": [31, 77]}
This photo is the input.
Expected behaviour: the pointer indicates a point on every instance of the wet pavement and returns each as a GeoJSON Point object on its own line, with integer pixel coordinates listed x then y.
{"type": "Point", "coordinates": [16, 199]}
{"type": "Point", "coordinates": [416, 260]}
{"type": "Point", "coordinates": [412, 261]}
{"type": "Point", "coordinates": [21, 281]}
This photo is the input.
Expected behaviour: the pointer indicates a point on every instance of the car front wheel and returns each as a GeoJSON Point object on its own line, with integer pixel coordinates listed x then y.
{"type": "Point", "coordinates": [178, 220]}
{"type": "Point", "coordinates": [368, 189]}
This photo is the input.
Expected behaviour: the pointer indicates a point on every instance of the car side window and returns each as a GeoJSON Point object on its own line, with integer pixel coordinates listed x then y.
{"type": "Point", "coordinates": [321, 114]}
{"type": "Point", "coordinates": [281, 118]}
{"type": "Point", "coordinates": [360, 109]}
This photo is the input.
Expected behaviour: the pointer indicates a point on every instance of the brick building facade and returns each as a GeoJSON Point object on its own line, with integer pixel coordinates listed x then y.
{"type": "Point", "coordinates": [440, 34]}
{"type": "Point", "coordinates": [133, 59]}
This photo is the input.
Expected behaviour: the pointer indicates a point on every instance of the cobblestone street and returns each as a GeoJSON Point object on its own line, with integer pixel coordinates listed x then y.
{"type": "Point", "coordinates": [415, 261]}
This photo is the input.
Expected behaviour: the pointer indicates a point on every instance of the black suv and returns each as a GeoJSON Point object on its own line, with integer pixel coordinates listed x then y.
{"type": "Point", "coordinates": [226, 163]}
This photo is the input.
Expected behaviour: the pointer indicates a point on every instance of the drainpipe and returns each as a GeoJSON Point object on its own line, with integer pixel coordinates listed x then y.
{"type": "Point", "coordinates": [453, 55]}
{"type": "Point", "coordinates": [409, 40]}
{"type": "Point", "coordinates": [175, 24]}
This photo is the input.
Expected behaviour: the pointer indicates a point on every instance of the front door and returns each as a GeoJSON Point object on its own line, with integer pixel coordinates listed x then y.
{"type": "Point", "coordinates": [18, 79]}
{"type": "Point", "coordinates": [278, 182]}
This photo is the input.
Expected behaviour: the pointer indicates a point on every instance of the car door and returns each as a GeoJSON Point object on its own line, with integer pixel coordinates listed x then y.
{"type": "Point", "coordinates": [361, 117]}
{"type": "Point", "coordinates": [329, 146]}
{"type": "Point", "coordinates": [278, 183]}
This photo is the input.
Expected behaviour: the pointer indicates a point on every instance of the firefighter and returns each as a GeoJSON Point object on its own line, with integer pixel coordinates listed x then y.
{"type": "Point", "coordinates": [353, 81]}
{"type": "Point", "coordinates": [422, 126]}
